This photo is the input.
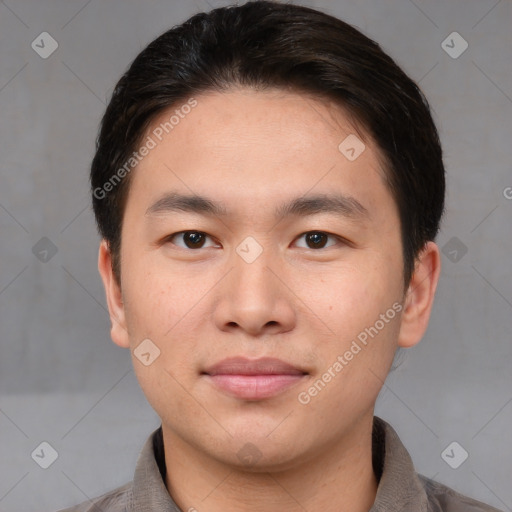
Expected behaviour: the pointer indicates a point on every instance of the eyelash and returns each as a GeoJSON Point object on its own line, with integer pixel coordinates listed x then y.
{"type": "Point", "coordinates": [169, 238]}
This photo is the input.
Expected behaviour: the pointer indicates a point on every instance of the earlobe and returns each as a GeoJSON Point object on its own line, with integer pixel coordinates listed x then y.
{"type": "Point", "coordinates": [420, 296]}
{"type": "Point", "coordinates": [118, 331]}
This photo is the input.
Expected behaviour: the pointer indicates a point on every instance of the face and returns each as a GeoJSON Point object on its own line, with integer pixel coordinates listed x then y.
{"type": "Point", "coordinates": [295, 254]}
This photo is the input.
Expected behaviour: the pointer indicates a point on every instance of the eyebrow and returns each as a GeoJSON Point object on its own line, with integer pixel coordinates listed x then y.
{"type": "Point", "coordinates": [338, 204]}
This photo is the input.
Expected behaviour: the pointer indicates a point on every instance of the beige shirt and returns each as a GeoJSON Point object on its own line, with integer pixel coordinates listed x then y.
{"type": "Point", "coordinates": [400, 487]}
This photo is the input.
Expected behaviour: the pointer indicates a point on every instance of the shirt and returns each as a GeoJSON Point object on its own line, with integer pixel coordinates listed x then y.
{"type": "Point", "coordinates": [400, 488]}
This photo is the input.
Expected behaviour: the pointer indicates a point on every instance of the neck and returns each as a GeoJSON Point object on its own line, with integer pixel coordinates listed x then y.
{"type": "Point", "coordinates": [339, 478]}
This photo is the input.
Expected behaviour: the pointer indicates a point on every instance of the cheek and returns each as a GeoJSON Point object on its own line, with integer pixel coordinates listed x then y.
{"type": "Point", "coordinates": [357, 350]}
{"type": "Point", "coordinates": [345, 299]}
{"type": "Point", "coordinates": [354, 308]}
{"type": "Point", "coordinates": [156, 299]}
{"type": "Point", "coordinates": [169, 307]}
{"type": "Point", "coordinates": [161, 307]}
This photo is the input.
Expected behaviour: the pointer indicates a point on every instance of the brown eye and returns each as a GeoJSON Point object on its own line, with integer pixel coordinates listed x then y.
{"type": "Point", "coordinates": [193, 239]}
{"type": "Point", "coordinates": [190, 239]}
{"type": "Point", "coordinates": [317, 239]}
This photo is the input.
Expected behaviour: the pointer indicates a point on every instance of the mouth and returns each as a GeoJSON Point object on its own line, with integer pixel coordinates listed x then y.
{"type": "Point", "coordinates": [253, 379]}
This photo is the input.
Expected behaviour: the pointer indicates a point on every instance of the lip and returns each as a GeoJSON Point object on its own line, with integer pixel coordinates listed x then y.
{"type": "Point", "coordinates": [245, 366]}
{"type": "Point", "coordinates": [254, 379]}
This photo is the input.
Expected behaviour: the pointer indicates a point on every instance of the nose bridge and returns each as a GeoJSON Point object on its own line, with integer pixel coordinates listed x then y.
{"type": "Point", "coordinates": [251, 261]}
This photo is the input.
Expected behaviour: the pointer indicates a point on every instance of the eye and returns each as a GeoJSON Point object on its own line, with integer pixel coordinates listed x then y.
{"type": "Point", "coordinates": [191, 239]}
{"type": "Point", "coordinates": [196, 239]}
{"type": "Point", "coordinates": [317, 239]}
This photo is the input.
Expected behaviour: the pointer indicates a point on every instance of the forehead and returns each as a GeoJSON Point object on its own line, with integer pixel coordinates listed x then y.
{"type": "Point", "coordinates": [244, 144]}
{"type": "Point", "coordinates": [235, 117]}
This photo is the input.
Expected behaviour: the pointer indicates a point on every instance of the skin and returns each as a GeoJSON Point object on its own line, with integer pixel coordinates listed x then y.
{"type": "Point", "coordinates": [253, 150]}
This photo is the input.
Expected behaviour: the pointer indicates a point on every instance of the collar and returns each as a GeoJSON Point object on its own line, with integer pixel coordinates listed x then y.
{"type": "Point", "coordinates": [399, 486]}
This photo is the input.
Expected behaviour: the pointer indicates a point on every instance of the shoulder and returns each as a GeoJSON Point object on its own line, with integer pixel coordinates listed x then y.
{"type": "Point", "coordinates": [116, 500]}
{"type": "Point", "coordinates": [442, 498]}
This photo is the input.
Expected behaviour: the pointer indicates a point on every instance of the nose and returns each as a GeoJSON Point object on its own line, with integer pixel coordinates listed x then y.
{"type": "Point", "coordinates": [254, 297]}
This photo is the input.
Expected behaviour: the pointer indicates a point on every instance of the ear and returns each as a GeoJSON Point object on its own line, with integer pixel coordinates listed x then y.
{"type": "Point", "coordinates": [118, 331]}
{"type": "Point", "coordinates": [420, 296]}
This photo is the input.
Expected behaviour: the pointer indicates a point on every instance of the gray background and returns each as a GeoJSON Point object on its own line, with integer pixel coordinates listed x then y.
{"type": "Point", "coordinates": [61, 378]}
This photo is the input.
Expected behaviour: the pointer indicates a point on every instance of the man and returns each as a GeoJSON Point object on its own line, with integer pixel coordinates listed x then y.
{"type": "Point", "coordinates": [268, 185]}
